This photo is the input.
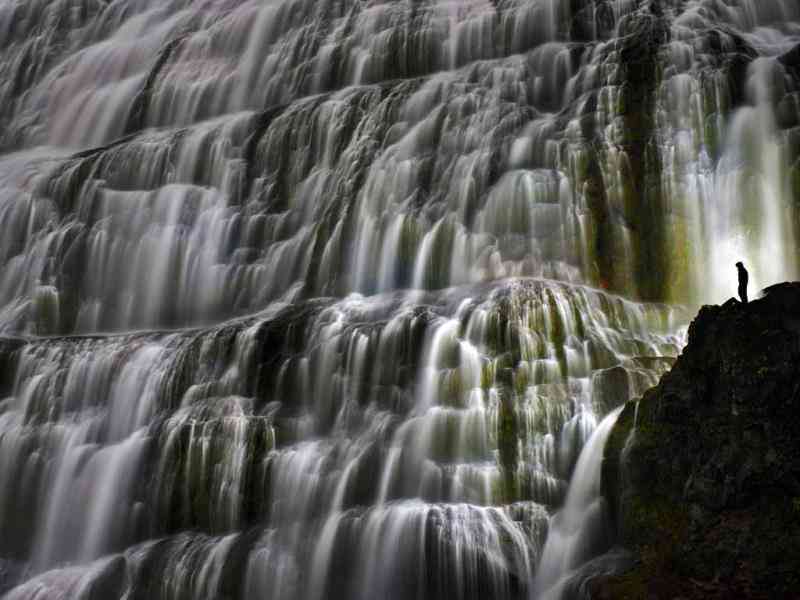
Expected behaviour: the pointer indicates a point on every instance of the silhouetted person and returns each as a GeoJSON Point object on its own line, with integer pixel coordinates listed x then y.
{"type": "Point", "coordinates": [743, 279]}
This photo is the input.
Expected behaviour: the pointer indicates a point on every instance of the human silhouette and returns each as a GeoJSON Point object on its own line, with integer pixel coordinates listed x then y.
{"type": "Point", "coordinates": [743, 279]}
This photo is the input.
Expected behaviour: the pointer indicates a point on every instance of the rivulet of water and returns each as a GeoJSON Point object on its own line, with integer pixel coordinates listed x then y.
{"type": "Point", "coordinates": [316, 299]}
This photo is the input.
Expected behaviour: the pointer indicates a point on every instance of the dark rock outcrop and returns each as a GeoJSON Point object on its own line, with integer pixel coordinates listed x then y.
{"type": "Point", "coordinates": [703, 473]}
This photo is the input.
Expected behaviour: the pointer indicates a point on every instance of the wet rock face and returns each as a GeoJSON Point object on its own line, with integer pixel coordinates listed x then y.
{"type": "Point", "coordinates": [704, 471]}
{"type": "Point", "coordinates": [166, 166]}
{"type": "Point", "coordinates": [315, 450]}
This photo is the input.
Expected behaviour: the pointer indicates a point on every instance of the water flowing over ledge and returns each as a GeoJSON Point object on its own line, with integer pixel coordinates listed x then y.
{"type": "Point", "coordinates": [296, 149]}
{"type": "Point", "coordinates": [314, 295]}
{"type": "Point", "coordinates": [320, 437]}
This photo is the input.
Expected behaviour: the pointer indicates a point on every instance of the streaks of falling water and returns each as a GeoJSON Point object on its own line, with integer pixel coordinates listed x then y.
{"type": "Point", "coordinates": [582, 522]}
{"type": "Point", "coordinates": [416, 196]}
{"type": "Point", "coordinates": [731, 124]}
{"type": "Point", "coordinates": [377, 429]}
{"type": "Point", "coordinates": [480, 141]}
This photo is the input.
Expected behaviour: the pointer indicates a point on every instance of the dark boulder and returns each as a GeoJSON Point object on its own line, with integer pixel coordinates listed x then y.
{"type": "Point", "coordinates": [705, 486]}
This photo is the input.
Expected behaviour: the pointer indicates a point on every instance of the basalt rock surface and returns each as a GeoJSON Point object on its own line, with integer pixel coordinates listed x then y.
{"type": "Point", "coordinates": [703, 473]}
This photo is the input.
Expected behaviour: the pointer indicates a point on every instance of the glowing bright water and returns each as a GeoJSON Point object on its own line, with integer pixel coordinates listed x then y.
{"type": "Point", "coordinates": [316, 299]}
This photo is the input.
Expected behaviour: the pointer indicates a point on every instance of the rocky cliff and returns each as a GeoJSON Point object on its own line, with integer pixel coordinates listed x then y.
{"type": "Point", "coordinates": [703, 473]}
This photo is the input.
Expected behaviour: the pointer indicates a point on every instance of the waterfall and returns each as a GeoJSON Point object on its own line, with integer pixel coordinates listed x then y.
{"type": "Point", "coordinates": [580, 524]}
{"type": "Point", "coordinates": [338, 298]}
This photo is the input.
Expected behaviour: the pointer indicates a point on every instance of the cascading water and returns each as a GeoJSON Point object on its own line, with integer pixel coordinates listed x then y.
{"type": "Point", "coordinates": [328, 299]}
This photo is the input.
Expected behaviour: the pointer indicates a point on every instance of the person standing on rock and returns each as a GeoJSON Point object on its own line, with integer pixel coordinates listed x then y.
{"type": "Point", "coordinates": [743, 279]}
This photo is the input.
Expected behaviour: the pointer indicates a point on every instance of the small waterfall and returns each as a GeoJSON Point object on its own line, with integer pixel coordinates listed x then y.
{"type": "Point", "coordinates": [302, 298]}
{"type": "Point", "coordinates": [580, 529]}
